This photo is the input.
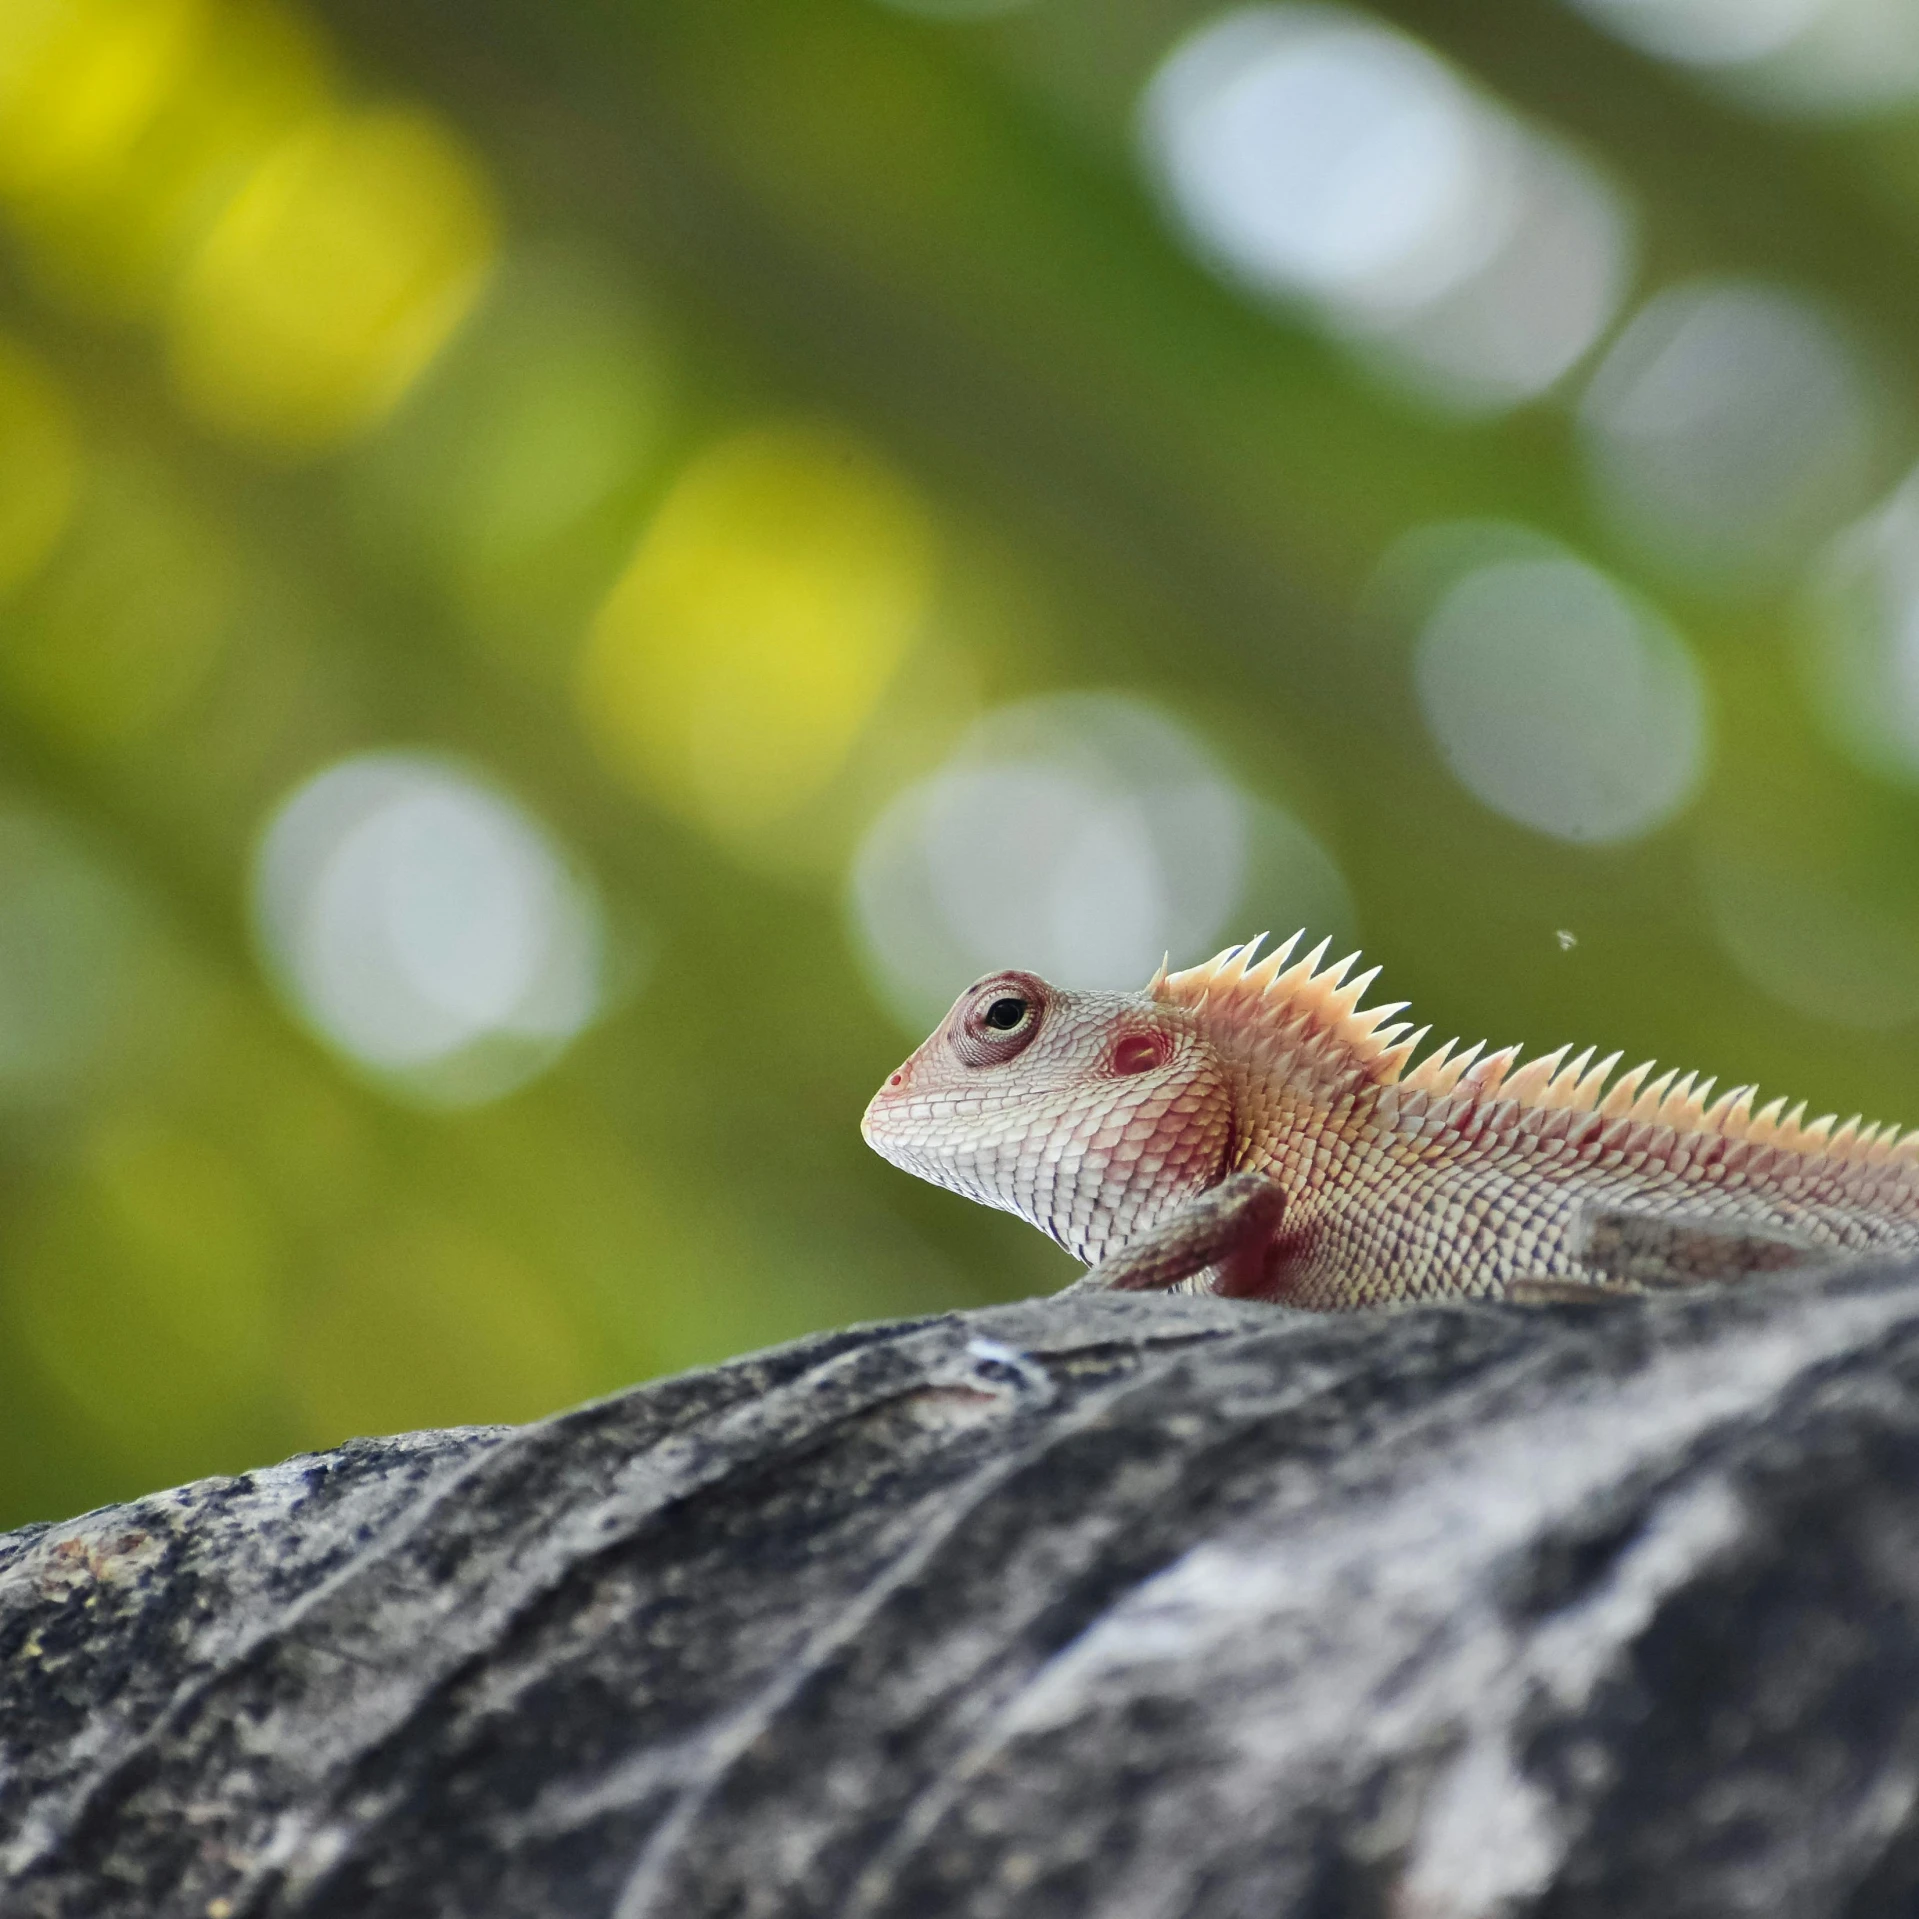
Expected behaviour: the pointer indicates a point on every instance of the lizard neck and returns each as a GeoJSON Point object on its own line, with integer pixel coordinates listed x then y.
{"type": "Point", "coordinates": [1300, 1103]}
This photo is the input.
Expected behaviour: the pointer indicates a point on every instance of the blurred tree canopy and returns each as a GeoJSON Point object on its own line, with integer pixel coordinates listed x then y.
{"type": "Point", "coordinates": [567, 572]}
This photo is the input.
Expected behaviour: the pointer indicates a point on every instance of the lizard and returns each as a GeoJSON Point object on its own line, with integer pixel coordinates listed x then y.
{"type": "Point", "coordinates": [1242, 1127]}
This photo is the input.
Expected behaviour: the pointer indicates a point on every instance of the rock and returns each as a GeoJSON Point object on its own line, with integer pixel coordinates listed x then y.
{"type": "Point", "coordinates": [1116, 1606]}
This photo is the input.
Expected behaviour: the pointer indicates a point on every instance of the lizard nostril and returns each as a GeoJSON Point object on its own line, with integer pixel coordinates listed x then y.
{"type": "Point", "coordinates": [898, 1079]}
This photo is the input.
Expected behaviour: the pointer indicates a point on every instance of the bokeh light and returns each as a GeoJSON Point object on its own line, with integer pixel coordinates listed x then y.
{"type": "Point", "coordinates": [1709, 32]}
{"type": "Point", "coordinates": [39, 463]}
{"type": "Point", "coordinates": [126, 625]}
{"type": "Point", "coordinates": [126, 130]}
{"type": "Point", "coordinates": [511, 480]}
{"type": "Point", "coordinates": [1812, 937]}
{"type": "Point", "coordinates": [1560, 699]}
{"type": "Point", "coordinates": [421, 923]}
{"type": "Point", "coordinates": [1730, 427]}
{"type": "Point", "coordinates": [1322, 159]}
{"type": "Point", "coordinates": [1808, 56]}
{"type": "Point", "coordinates": [1084, 836]}
{"type": "Point", "coordinates": [69, 936]}
{"type": "Point", "coordinates": [1862, 637]}
{"type": "Point", "coordinates": [774, 596]}
{"type": "Point", "coordinates": [331, 280]}
{"type": "Point", "coordinates": [80, 80]}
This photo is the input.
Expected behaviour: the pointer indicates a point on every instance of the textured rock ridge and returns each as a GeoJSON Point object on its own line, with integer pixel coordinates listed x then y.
{"type": "Point", "coordinates": [1172, 1608]}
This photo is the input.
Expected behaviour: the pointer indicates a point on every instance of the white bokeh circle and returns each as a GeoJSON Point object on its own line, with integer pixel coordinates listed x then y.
{"type": "Point", "coordinates": [1082, 835]}
{"type": "Point", "coordinates": [425, 926]}
{"type": "Point", "coordinates": [1561, 700]}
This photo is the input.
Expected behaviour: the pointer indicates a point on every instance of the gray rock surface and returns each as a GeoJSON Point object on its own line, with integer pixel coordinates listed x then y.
{"type": "Point", "coordinates": [1113, 1606]}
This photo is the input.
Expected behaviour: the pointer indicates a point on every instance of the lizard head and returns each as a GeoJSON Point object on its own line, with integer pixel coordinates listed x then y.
{"type": "Point", "coordinates": [1089, 1114]}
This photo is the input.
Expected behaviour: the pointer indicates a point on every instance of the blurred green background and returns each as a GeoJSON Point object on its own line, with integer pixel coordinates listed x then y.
{"type": "Point", "coordinates": [570, 571]}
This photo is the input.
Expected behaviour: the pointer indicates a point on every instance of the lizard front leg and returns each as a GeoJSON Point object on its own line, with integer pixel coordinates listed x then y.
{"type": "Point", "coordinates": [1229, 1225]}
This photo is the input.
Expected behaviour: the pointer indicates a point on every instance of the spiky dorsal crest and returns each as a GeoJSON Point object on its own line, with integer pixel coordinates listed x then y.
{"type": "Point", "coordinates": [1309, 1008]}
{"type": "Point", "coordinates": [1303, 1007]}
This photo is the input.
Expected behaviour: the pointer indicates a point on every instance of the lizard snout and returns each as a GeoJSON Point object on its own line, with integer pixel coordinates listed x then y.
{"type": "Point", "coordinates": [880, 1109]}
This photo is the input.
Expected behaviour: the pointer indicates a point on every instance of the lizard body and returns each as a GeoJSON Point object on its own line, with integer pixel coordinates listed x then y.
{"type": "Point", "coordinates": [1244, 1127]}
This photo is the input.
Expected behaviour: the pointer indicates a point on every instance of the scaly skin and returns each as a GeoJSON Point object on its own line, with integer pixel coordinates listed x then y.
{"type": "Point", "coordinates": [1246, 1129]}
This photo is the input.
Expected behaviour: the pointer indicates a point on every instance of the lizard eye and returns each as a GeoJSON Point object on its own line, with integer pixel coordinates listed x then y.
{"type": "Point", "coordinates": [998, 1019]}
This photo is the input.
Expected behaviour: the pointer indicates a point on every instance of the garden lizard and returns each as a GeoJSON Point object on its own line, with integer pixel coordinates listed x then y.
{"type": "Point", "coordinates": [1242, 1127]}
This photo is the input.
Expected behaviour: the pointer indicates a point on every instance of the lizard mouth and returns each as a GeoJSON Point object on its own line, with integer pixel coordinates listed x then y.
{"type": "Point", "coordinates": [873, 1120]}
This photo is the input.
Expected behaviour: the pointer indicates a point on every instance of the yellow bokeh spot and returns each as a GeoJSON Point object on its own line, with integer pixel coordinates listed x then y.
{"type": "Point", "coordinates": [771, 601]}
{"type": "Point", "coordinates": [332, 279]}
{"type": "Point", "coordinates": [81, 79]}
{"type": "Point", "coordinates": [434, 1326]}
{"type": "Point", "coordinates": [125, 627]}
{"type": "Point", "coordinates": [39, 464]}
{"type": "Point", "coordinates": [146, 1290]}
{"type": "Point", "coordinates": [111, 235]}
